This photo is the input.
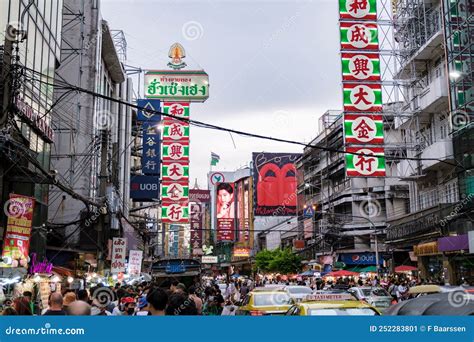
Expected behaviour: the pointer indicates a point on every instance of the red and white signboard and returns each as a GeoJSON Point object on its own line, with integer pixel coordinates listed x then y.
{"type": "Point", "coordinates": [135, 262]}
{"type": "Point", "coordinates": [119, 251]}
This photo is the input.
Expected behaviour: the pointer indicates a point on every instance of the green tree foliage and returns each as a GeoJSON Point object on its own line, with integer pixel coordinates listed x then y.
{"type": "Point", "coordinates": [279, 261]}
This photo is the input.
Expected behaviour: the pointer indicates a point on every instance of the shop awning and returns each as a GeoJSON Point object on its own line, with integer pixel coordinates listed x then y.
{"type": "Point", "coordinates": [63, 271]}
{"type": "Point", "coordinates": [405, 268]}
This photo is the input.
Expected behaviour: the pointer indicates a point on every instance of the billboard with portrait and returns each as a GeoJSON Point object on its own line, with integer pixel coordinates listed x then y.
{"type": "Point", "coordinates": [275, 183]}
{"type": "Point", "coordinates": [225, 211]}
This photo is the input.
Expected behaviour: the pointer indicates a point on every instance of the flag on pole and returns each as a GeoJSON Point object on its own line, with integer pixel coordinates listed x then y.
{"type": "Point", "coordinates": [214, 159]}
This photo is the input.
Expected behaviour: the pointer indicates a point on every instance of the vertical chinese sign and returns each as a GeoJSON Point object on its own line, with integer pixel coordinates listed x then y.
{"type": "Point", "coordinates": [196, 228]}
{"type": "Point", "coordinates": [145, 187]}
{"type": "Point", "coordinates": [16, 244]}
{"type": "Point", "coordinates": [362, 89]}
{"type": "Point", "coordinates": [119, 251]}
{"type": "Point", "coordinates": [177, 89]}
{"type": "Point", "coordinates": [175, 167]}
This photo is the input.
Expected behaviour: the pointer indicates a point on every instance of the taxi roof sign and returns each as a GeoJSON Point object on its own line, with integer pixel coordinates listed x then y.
{"type": "Point", "coordinates": [328, 297]}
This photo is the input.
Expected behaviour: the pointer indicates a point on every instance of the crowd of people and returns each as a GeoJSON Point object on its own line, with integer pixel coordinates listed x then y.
{"type": "Point", "coordinates": [147, 298]}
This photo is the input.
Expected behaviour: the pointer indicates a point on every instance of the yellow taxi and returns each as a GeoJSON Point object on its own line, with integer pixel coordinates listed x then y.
{"type": "Point", "coordinates": [265, 301]}
{"type": "Point", "coordinates": [332, 304]}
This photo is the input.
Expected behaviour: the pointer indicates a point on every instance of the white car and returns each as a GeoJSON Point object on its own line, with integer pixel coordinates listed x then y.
{"type": "Point", "coordinates": [298, 292]}
{"type": "Point", "coordinates": [375, 296]}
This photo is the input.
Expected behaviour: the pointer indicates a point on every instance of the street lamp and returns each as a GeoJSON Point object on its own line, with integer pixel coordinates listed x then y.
{"type": "Point", "coordinates": [372, 224]}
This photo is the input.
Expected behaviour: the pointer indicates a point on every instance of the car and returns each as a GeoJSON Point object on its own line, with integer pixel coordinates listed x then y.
{"type": "Point", "coordinates": [374, 295]}
{"type": "Point", "coordinates": [298, 292]}
{"type": "Point", "coordinates": [423, 290]}
{"type": "Point", "coordinates": [332, 304]}
{"type": "Point", "coordinates": [452, 303]}
{"type": "Point", "coordinates": [262, 301]}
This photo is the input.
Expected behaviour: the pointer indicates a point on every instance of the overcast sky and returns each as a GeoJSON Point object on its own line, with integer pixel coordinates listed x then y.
{"type": "Point", "coordinates": [274, 67]}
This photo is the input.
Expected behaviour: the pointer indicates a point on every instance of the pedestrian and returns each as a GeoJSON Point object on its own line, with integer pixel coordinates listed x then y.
{"type": "Point", "coordinates": [157, 300]}
{"type": "Point", "coordinates": [83, 295]}
{"type": "Point", "coordinates": [55, 305]}
{"type": "Point", "coordinates": [180, 305]}
{"type": "Point", "coordinates": [29, 295]}
{"type": "Point", "coordinates": [9, 311]}
{"type": "Point", "coordinates": [196, 299]}
{"type": "Point", "coordinates": [69, 297]}
{"type": "Point", "coordinates": [22, 306]}
{"type": "Point", "coordinates": [129, 306]}
{"type": "Point", "coordinates": [79, 308]}
{"type": "Point", "coordinates": [142, 307]}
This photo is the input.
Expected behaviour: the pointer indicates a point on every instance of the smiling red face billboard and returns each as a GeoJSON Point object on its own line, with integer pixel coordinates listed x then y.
{"type": "Point", "coordinates": [275, 183]}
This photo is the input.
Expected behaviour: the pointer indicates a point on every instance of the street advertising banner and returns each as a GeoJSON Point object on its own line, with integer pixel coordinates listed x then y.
{"type": "Point", "coordinates": [144, 188]}
{"type": "Point", "coordinates": [200, 196]}
{"type": "Point", "coordinates": [16, 244]}
{"type": "Point", "coordinates": [152, 115]}
{"type": "Point", "coordinates": [225, 211]}
{"type": "Point", "coordinates": [151, 157]}
{"type": "Point", "coordinates": [359, 66]}
{"type": "Point", "coordinates": [363, 129]}
{"type": "Point", "coordinates": [358, 9]}
{"type": "Point", "coordinates": [119, 252]}
{"type": "Point", "coordinates": [359, 36]}
{"type": "Point", "coordinates": [275, 183]}
{"type": "Point", "coordinates": [173, 240]}
{"type": "Point", "coordinates": [243, 211]}
{"type": "Point", "coordinates": [362, 97]}
{"type": "Point", "coordinates": [135, 258]}
{"type": "Point", "coordinates": [196, 227]}
{"type": "Point", "coordinates": [175, 163]}
{"type": "Point", "coordinates": [365, 162]}
{"type": "Point", "coordinates": [177, 85]}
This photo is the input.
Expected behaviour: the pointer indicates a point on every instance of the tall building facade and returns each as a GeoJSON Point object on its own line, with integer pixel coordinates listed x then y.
{"type": "Point", "coordinates": [349, 218]}
{"type": "Point", "coordinates": [93, 135]}
{"type": "Point", "coordinates": [30, 39]}
{"type": "Point", "coordinates": [435, 71]}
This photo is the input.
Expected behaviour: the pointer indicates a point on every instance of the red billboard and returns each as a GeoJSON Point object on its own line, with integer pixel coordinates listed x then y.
{"type": "Point", "coordinates": [275, 183]}
{"type": "Point", "coordinates": [225, 211]}
{"type": "Point", "coordinates": [17, 236]}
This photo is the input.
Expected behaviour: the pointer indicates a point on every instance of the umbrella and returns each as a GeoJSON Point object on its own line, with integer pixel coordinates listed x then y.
{"type": "Point", "coordinates": [367, 269]}
{"type": "Point", "coordinates": [308, 273]}
{"type": "Point", "coordinates": [405, 268]}
{"type": "Point", "coordinates": [341, 273]}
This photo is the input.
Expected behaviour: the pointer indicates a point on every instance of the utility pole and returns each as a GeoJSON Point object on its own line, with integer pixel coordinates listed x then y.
{"type": "Point", "coordinates": [103, 179]}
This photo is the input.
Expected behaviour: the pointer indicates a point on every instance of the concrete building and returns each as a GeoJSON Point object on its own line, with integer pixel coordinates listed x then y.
{"type": "Point", "coordinates": [350, 213]}
{"type": "Point", "coordinates": [439, 101]}
{"type": "Point", "coordinates": [93, 134]}
{"type": "Point", "coordinates": [31, 45]}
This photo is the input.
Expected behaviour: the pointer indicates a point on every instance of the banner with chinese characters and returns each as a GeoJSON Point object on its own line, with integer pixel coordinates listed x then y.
{"type": "Point", "coordinates": [151, 149]}
{"type": "Point", "coordinates": [358, 9]}
{"type": "Point", "coordinates": [175, 163]}
{"type": "Point", "coordinates": [362, 97]}
{"type": "Point", "coordinates": [359, 36]}
{"type": "Point", "coordinates": [365, 162]}
{"type": "Point", "coordinates": [196, 228]}
{"type": "Point", "coordinates": [360, 66]}
{"type": "Point", "coordinates": [16, 244]}
{"type": "Point", "coordinates": [362, 88]}
{"type": "Point", "coordinates": [363, 129]}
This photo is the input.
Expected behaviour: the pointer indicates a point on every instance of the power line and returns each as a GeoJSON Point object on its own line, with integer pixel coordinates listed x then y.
{"type": "Point", "coordinates": [238, 132]}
